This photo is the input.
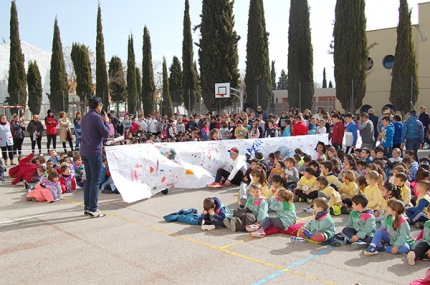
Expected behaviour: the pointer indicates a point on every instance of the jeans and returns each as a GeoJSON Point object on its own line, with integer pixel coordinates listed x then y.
{"type": "Point", "coordinates": [382, 235]}
{"type": "Point", "coordinates": [109, 181]}
{"type": "Point", "coordinates": [78, 143]}
{"type": "Point", "coordinates": [413, 144]}
{"type": "Point", "coordinates": [93, 167]}
{"type": "Point", "coordinates": [387, 151]}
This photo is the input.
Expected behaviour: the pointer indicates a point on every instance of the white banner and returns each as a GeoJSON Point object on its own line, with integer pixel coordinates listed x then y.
{"type": "Point", "coordinates": [141, 170]}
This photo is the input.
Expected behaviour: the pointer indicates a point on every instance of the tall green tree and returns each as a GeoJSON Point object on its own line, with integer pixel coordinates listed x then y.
{"type": "Point", "coordinates": [102, 88]}
{"type": "Point", "coordinates": [273, 75]}
{"type": "Point", "coordinates": [167, 100]}
{"type": "Point", "coordinates": [258, 78]}
{"type": "Point", "coordinates": [59, 97]}
{"type": "Point", "coordinates": [117, 85]}
{"type": "Point", "coordinates": [188, 71]}
{"type": "Point", "coordinates": [132, 99]}
{"type": "Point", "coordinates": [330, 84]}
{"type": "Point", "coordinates": [197, 88]}
{"type": "Point", "coordinates": [175, 82]}
{"type": "Point", "coordinates": [350, 53]}
{"type": "Point", "coordinates": [404, 83]}
{"type": "Point", "coordinates": [148, 85]}
{"type": "Point", "coordinates": [218, 57]}
{"type": "Point", "coordinates": [300, 57]}
{"type": "Point", "coordinates": [34, 83]}
{"type": "Point", "coordinates": [17, 78]}
{"type": "Point", "coordinates": [324, 83]}
{"type": "Point", "coordinates": [283, 81]}
{"type": "Point", "coordinates": [138, 81]}
{"type": "Point", "coordinates": [82, 66]}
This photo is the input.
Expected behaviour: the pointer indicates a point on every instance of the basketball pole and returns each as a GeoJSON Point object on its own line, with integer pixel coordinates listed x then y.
{"type": "Point", "coordinates": [241, 97]}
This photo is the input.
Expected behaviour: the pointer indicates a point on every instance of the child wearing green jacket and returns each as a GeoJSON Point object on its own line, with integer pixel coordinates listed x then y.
{"type": "Point", "coordinates": [285, 214]}
{"type": "Point", "coordinates": [421, 248]}
{"type": "Point", "coordinates": [320, 228]}
{"type": "Point", "coordinates": [394, 233]}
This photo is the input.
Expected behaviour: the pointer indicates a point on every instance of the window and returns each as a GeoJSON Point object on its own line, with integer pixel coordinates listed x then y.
{"type": "Point", "coordinates": [284, 100]}
{"type": "Point", "coordinates": [388, 61]}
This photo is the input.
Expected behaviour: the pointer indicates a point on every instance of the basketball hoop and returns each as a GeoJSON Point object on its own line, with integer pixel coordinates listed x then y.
{"type": "Point", "coordinates": [219, 95]}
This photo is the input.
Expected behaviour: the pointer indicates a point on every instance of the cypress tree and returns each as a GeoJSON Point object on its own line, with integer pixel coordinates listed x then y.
{"type": "Point", "coordinates": [188, 73]}
{"type": "Point", "coordinates": [167, 100]}
{"type": "Point", "coordinates": [283, 81]}
{"type": "Point", "coordinates": [350, 53]}
{"type": "Point", "coordinates": [82, 66]}
{"type": "Point", "coordinates": [258, 78]}
{"type": "Point", "coordinates": [197, 89]}
{"type": "Point", "coordinates": [132, 93]}
{"type": "Point", "coordinates": [330, 84]}
{"type": "Point", "coordinates": [273, 75]}
{"type": "Point", "coordinates": [324, 83]}
{"type": "Point", "coordinates": [148, 86]}
{"type": "Point", "coordinates": [138, 81]}
{"type": "Point", "coordinates": [175, 82]}
{"type": "Point", "coordinates": [101, 73]}
{"type": "Point", "coordinates": [404, 83]}
{"type": "Point", "coordinates": [34, 83]}
{"type": "Point", "coordinates": [300, 57]}
{"type": "Point", "coordinates": [59, 97]}
{"type": "Point", "coordinates": [17, 79]}
{"type": "Point", "coordinates": [117, 85]}
{"type": "Point", "coordinates": [218, 56]}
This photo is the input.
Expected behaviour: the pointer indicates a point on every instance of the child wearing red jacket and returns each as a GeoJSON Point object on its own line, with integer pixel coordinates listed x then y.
{"type": "Point", "coordinates": [338, 131]}
{"type": "Point", "coordinates": [67, 180]}
{"type": "Point", "coordinates": [24, 170]}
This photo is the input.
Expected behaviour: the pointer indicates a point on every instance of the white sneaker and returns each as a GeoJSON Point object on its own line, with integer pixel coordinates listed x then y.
{"type": "Point", "coordinates": [411, 257]}
{"type": "Point", "coordinates": [207, 227]}
{"type": "Point", "coordinates": [252, 228]}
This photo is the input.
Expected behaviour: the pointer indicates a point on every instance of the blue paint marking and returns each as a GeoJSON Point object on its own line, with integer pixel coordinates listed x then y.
{"type": "Point", "coordinates": [294, 265]}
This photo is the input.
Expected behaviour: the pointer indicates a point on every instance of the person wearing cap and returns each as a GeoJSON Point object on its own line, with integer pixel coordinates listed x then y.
{"type": "Point", "coordinates": [299, 127]}
{"type": "Point", "coordinates": [235, 176]}
{"type": "Point", "coordinates": [365, 126]}
{"type": "Point", "coordinates": [412, 133]}
{"type": "Point", "coordinates": [94, 129]}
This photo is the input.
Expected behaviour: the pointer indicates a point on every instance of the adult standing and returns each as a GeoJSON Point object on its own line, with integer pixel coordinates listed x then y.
{"type": "Point", "coordinates": [65, 133]}
{"type": "Point", "coordinates": [263, 113]}
{"type": "Point", "coordinates": [365, 126]}
{"type": "Point", "coordinates": [374, 119]}
{"type": "Point", "coordinates": [424, 118]}
{"type": "Point", "coordinates": [35, 129]}
{"type": "Point", "coordinates": [51, 130]}
{"type": "Point", "coordinates": [6, 141]}
{"type": "Point", "coordinates": [18, 129]}
{"type": "Point", "coordinates": [412, 133]}
{"type": "Point", "coordinates": [94, 129]}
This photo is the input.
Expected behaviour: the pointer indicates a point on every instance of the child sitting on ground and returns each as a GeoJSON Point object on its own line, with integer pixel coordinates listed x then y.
{"type": "Point", "coordinates": [421, 248]}
{"type": "Point", "coordinates": [372, 191]}
{"type": "Point", "coordinates": [278, 169]}
{"type": "Point", "coordinates": [333, 197]}
{"type": "Point", "coordinates": [79, 170]}
{"type": "Point", "coordinates": [389, 192]}
{"type": "Point", "coordinates": [106, 179]}
{"type": "Point", "coordinates": [327, 171]}
{"type": "Point", "coordinates": [418, 215]}
{"type": "Point", "coordinates": [361, 226]}
{"type": "Point", "coordinates": [67, 180]}
{"type": "Point", "coordinates": [320, 228]}
{"type": "Point", "coordinates": [394, 233]}
{"type": "Point", "coordinates": [54, 158]}
{"type": "Point", "coordinates": [214, 213]}
{"type": "Point", "coordinates": [255, 211]}
{"type": "Point", "coordinates": [41, 172]}
{"type": "Point", "coordinates": [285, 213]}
{"type": "Point", "coordinates": [49, 189]}
{"type": "Point", "coordinates": [243, 188]}
{"type": "Point", "coordinates": [278, 184]}
{"type": "Point", "coordinates": [399, 181]}
{"type": "Point", "coordinates": [306, 188]}
{"type": "Point", "coordinates": [349, 188]}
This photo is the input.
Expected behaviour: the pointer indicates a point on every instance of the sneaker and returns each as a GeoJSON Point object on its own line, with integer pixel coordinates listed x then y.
{"type": "Point", "coordinates": [411, 257]}
{"type": "Point", "coordinates": [165, 191]}
{"type": "Point", "coordinates": [96, 214]}
{"type": "Point", "coordinates": [331, 210]}
{"type": "Point", "coordinates": [259, 233]}
{"type": "Point", "coordinates": [308, 210]}
{"type": "Point", "coordinates": [86, 212]}
{"type": "Point", "coordinates": [380, 247]}
{"type": "Point", "coordinates": [310, 201]}
{"type": "Point", "coordinates": [371, 250]}
{"type": "Point", "coordinates": [344, 211]}
{"type": "Point", "coordinates": [359, 244]}
{"type": "Point", "coordinates": [307, 233]}
{"type": "Point", "coordinates": [26, 185]}
{"type": "Point", "coordinates": [339, 236]}
{"type": "Point", "coordinates": [297, 239]}
{"type": "Point", "coordinates": [212, 185]}
{"type": "Point", "coordinates": [20, 183]}
{"type": "Point", "coordinates": [229, 224]}
{"type": "Point", "coordinates": [207, 227]}
{"type": "Point", "coordinates": [252, 228]}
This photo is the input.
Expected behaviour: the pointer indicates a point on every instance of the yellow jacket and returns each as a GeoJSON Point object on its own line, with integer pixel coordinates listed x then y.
{"type": "Point", "coordinates": [349, 190]}
{"type": "Point", "coordinates": [335, 198]}
{"type": "Point", "coordinates": [406, 194]}
{"type": "Point", "coordinates": [374, 196]}
{"type": "Point", "coordinates": [332, 179]}
{"type": "Point", "coordinates": [307, 182]}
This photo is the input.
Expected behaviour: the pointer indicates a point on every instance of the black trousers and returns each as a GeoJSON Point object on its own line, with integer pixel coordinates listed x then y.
{"type": "Point", "coordinates": [39, 144]}
{"type": "Point", "coordinates": [420, 250]}
{"type": "Point", "coordinates": [70, 144]}
{"type": "Point", "coordinates": [5, 150]}
{"type": "Point", "coordinates": [222, 173]}
{"type": "Point", "coordinates": [52, 138]}
{"type": "Point", "coordinates": [17, 146]}
{"type": "Point", "coordinates": [347, 233]}
{"type": "Point", "coordinates": [301, 194]}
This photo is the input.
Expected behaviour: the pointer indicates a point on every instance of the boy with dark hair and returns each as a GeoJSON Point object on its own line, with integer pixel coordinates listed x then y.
{"type": "Point", "coordinates": [315, 166]}
{"type": "Point", "coordinates": [361, 225]}
{"type": "Point", "coordinates": [338, 131]}
{"type": "Point", "coordinates": [320, 228]}
{"type": "Point", "coordinates": [418, 215]}
{"type": "Point", "coordinates": [333, 197]}
{"type": "Point", "coordinates": [306, 188]}
{"type": "Point", "coordinates": [214, 212]}
{"type": "Point", "coordinates": [306, 159]}
{"type": "Point", "coordinates": [243, 188]}
{"type": "Point", "coordinates": [400, 180]}
{"type": "Point", "coordinates": [387, 136]}
{"type": "Point", "coordinates": [326, 170]}
{"type": "Point", "coordinates": [412, 168]}
{"type": "Point", "coordinates": [398, 126]}
{"type": "Point", "coordinates": [361, 167]}
{"type": "Point", "coordinates": [365, 155]}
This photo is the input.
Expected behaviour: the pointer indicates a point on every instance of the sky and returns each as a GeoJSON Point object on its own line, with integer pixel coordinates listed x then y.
{"type": "Point", "coordinates": [164, 19]}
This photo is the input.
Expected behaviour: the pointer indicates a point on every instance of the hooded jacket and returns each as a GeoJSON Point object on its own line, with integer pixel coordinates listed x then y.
{"type": "Point", "coordinates": [363, 222]}
{"type": "Point", "coordinates": [389, 136]}
{"type": "Point", "coordinates": [51, 123]}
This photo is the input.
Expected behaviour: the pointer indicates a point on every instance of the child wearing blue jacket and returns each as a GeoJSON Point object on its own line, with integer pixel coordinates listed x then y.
{"type": "Point", "coordinates": [387, 136]}
{"type": "Point", "coordinates": [418, 215]}
{"type": "Point", "coordinates": [285, 213]}
{"type": "Point", "coordinates": [214, 213]}
{"type": "Point", "coordinates": [255, 211]}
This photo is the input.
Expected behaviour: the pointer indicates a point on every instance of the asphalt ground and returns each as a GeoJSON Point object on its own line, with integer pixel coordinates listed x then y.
{"type": "Point", "coordinates": [43, 243]}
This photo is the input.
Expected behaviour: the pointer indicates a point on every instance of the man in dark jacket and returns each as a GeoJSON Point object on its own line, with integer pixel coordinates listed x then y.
{"type": "Point", "coordinates": [94, 129]}
{"type": "Point", "coordinates": [374, 119]}
{"type": "Point", "coordinates": [424, 118]}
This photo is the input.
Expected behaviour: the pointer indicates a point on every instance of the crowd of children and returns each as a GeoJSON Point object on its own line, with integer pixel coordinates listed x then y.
{"type": "Point", "coordinates": [383, 198]}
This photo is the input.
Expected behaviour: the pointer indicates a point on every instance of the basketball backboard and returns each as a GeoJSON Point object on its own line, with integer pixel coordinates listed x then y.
{"type": "Point", "coordinates": [222, 90]}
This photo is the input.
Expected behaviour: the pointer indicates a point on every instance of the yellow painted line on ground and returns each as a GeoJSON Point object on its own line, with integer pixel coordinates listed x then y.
{"type": "Point", "coordinates": [221, 249]}
{"type": "Point", "coordinates": [303, 219]}
{"type": "Point", "coordinates": [236, 243]}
